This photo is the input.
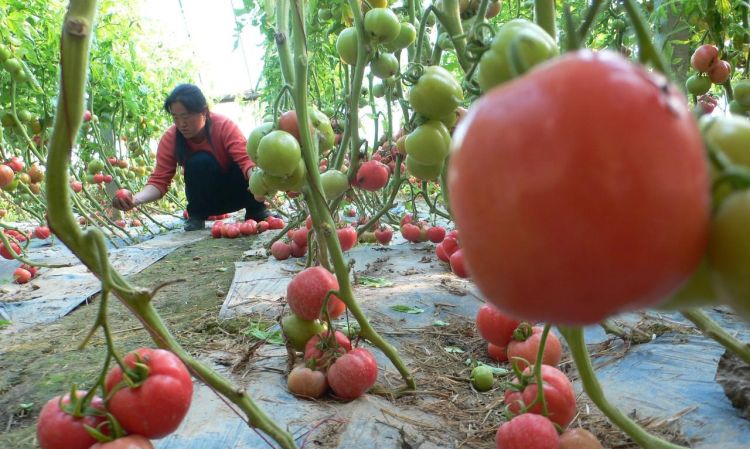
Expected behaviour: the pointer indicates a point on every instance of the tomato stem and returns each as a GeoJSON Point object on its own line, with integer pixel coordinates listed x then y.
{"type": "Point", "coordinates": [544, 16]}
{"type": "Point", "coordinates": [538, 370]}
{"type": "Point", "coordinates": [580, 354]}
{"type": "Point", "coordinates": [712, 329]}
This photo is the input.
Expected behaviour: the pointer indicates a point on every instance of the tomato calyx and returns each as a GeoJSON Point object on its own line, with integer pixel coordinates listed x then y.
{"type": "Point", "coordinates": [523, 332]}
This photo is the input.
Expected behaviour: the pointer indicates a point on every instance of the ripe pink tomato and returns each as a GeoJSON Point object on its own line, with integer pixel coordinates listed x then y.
{"type": "Point", "coordinates": [720, 72]}
{"type": "Point", "coordinates": [298, 251]}
{"type": "Point", "coordinates": [347, 237]}
{"type": "Point", "coordinates": [21, 275]}
{"type": "Point", "coordinates": [436, 234]}
{"type": "Point", "coordinates": [499, 353]}
{"type": "Point", "coordinates": [77, 186]}
{"type": "Point", "coordinates": [495, 326]}
{"type": "Point", "coordinates": [57, 429]}
{"type": "Point", "coordinates": [123, 194]}
{"type": "Point", "coordinates": [600, 213]}
{"type": "Point", "coordinates": [441, 254]}
{"type": "Point", "coordinates": [157, 406]}
{"type": "Point", "coordinates": [352, 374]}
{"type": "Point", "coordinates": [303, 381]}
{"type": "Point", "coordinates": [522, 351]}
{"type": "Point", "coordinates": [42, 232]}
{"type": "Point", "coordinates": [410, 232]}
{"type": "Point", "coordinates": [527, 431]}
{"type": "Point", "coordinates": [299, 236]}
{"type": "Point", "coordinates": [372, 176]}
{"type": "Point", "coordinates": [128, 442]}
{"type": "Point", "coordinates": [704, 57]}
{"type": "Point", "coordinates": [281, 250]}
{"type": "Point", "coordinates": [579, 438]}
{"type": "Point", "coordinates": [458, 266]}
{"type": "Point", "coordinates": [384, 234]}
{"type": "Point", "coordinates": [307, 291]}
{"type": "Point", "coordinates": [320, 349]}
{"type": "Point", "coordinates": [558, 393]}
{"type": "Point", "coordinates": [248, 227]}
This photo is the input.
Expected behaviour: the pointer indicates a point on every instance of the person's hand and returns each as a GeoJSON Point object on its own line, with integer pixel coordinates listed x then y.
{"type": "Point", "coordinates": [123, 200]}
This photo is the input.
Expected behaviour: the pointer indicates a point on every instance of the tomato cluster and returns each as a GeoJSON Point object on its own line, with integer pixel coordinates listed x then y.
{"type": "Point", "coordinates": [148, 402]}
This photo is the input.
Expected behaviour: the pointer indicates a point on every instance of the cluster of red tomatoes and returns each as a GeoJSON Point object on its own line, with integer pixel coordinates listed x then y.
{"type": "Point", "coordinates": [330, 359]}
{"type": "Point", "coordinates": [248, 227]}
{"type": "Point", "coordinates": [25, 272]}
{"type": "Point", "coordinates": [148, 402]}
{"type": "Point", "coordinates": [509, 339]}
{"type": "Point", "coordinates": [298, 239]}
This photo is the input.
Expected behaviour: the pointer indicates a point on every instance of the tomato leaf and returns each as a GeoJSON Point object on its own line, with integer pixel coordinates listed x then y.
{"type": "Point", "coordinates": [369, 281]}
{"type": "Point", "coordinates": [407, 309]}
{"type": "Point", "coordinates": [453, 350]}
{"type": "Point", "coordinates": [497, 371]}
{"type": "Point", "coordinates": [4, 323]}
{"type": "Point", "coordinates": [222, 269]}
{"type": "Point", "coordinates": [440, 323]}
{"type": "Point", "coordinates": [265, 333]}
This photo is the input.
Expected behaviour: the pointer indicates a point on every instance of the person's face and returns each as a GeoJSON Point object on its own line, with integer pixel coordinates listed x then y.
{"type": "Point", "coordinates": [190, 124]}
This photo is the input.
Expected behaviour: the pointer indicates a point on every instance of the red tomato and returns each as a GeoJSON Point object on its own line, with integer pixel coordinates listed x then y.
{"type": "Point", "coordinates": [720, 72]}
{"type": "Point", "coordinates": [16, 163]}
{"type": "Point", "coordinates": [216, 231]}
{"type": "Point", "coordinates": [231, 231]}
{"type": "Point", "coordinates": [31, 269]}
{"type": "Point", "coordinates": [156, 407]}
{"type": "Point", "coordinates": [21, 275]}
{"type": "Point", "coordinates": [372, 176]}
{"type": "Point", "coordinates": [124, 194]}
{"type": "Point", "coordinates": [347, 237]}
{"type": "Point", "coordinates": [305, 382]}
{"type": "Point", "coordinates": [98, 178]}
{"type": "Point", "coordinates": [499, 353]}
{"type": "Point", "coordinates": [526, 350]}
{"type": "Point", "coordinates": [601, 212]}
{"type": "Point", "coordinates": [450, 245]}
{"type": "Point", "coordinates": [57, 429]}
{"type": "Point", "coordinates": [41, 232]}
{"type": "Point", "coordinates": [248, 227]}
{"type": "Point", "coordinates": [281, 250]}
{"type": "Point", "coordinates": [527, 431]}
{"type": "Point", "coordinates": [298, 251]}
{"type": "Point", "coordinates": [77, 186]}
{"type": "Point", "coordinates": [262, 226]}
{"type": "Point", "coordinates": [558, 393]}
{"type": "Point", "coordinates": [308, 222]}
{"type": "Point", "coordinates": [704, 57]}
{"type": "Point", "coordinates": [321, 348]}
{"type": "Point", "coordinates": [384, 234]}
{"type": "Point", "coordinates": [440, 253]}
{"type": "Point", "coordinates": [107, 178]}
{"type": "Point", "coordinates": [579, 438]}
{"type": "Point", "coordinates": [300, 236]}
{"type": "Point", "coordinates": [458, 266]}
{"type": "Point", "coordinates": [410, 232]}
{"type": "Point", "coordinates": [436, 234]}
{"type": "Point", "coordinates": [352, 374]}
{"type": "Point", "coordinates": [307, 291]}
{"type": "Point", "coordinates": [128, 442]}
{"type": "Point", "coordinates": [6, 175]}
{"type": "Point", "coordinates": [495, 326]}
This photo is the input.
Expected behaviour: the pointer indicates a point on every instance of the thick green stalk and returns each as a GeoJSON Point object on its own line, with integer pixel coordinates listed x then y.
{"type": "Point", "coordinates": [322, 219]}
{"type": "Point", "coordinates": [544, 16]}
{"type": "Point", "coordinates": [450, 19]}
{"type": "Point", "coordinates": [712, 329]}
{"type": "Point", "coordinates": [580, 354]}
{"type": "Point", "coordinates": [89, 247]}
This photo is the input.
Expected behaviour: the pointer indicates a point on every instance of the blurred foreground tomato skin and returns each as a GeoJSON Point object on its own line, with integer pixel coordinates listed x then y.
{"type": "Point", "coordinates": [580, 190]}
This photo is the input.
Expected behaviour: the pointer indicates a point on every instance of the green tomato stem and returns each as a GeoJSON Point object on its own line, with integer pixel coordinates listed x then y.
{"type": "Point", "coordinates": [712, 329]}
{"type": "Point", "coordinates": [580, 354]}
{"type": "Point", "coordinates": [544, 16]}
{"type": "Point", "coordinates": [647, 50]}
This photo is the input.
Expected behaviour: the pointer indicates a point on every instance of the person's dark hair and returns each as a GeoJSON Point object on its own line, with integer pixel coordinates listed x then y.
{"type": "Point", "coordinates": [194, 101]}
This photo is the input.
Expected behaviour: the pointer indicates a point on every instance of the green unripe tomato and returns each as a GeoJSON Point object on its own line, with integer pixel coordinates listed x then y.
{"type": "Point", "coordinates": [254, 139]}
{"type": "Point", "coordinates": [378, 90]}
{"type": "Point", "coordinates": [736, 108]}
{"type": "Point", "coordinates": [518, 46]}
{"type": "Point", "coordinates": [95, 166]}
{"type": "Point", "coordinates": [407, 35]}
{"type": "Point", "coordinates": [742, 93]}
{"type": "Point", "coordinates": [4, 53]}
{"type": "Point", "coordinates": [334, 183]}
{"type": "Point", "coordinates": [299, 331]}
{"type": "Point", "coordinates": [324, 15]}
{"type": "Point", "coordinates": [278, 153]}
{"type": "Point", "coordinates": [697, 292]}
{"type": "Point", "coordinates": [297, 179]}
{"type": "Point", "coordinates": [429, 143]}
{"type": "Point", "coordinates": [346, 45]}
{"type": "Point", "coordinates": [12, 65]}
{"type": "Point", "coordinates": [322, 124]}
{"type": "Point", "coordinates": [11, 186]}
{"type": "Point", "coordinates": [444, 41]}
{"type": "Point", "coordinates": [698, 84]}
{"type": "Point", "coordinates": [436, 93]}
{"type": "Point", "coordinates": [729, 134]}
{"type": "Point", "coordinates": [423, 171]}
{"type": "Point", "coordinates": [482, 378]}
{"type": "Point", "coordinates": [382, 25]}
{"type": "Point", "coordinates": [258, 185]}
{"type": "Point", "coordinates": [384, 65]}
{"type": "Point", "coordinates": [20, 77]}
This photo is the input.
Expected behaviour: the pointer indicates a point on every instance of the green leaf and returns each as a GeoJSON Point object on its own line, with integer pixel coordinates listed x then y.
{"type": "Point", "coordinates": [453, 350]}
{"type": "Point", "coordinates": [264, 332]}
{"type": "Point", "coordinates": [407, 309]}
{"type": "Point", "coordinates": [497, 371]}
{"type": "Point", "coordinates": [222, 269]}
{"type": "Point", "coordinates": [440, 323]}
{"type": "Point", "coordinates": [369, 281]}
{"type": "Point", "coordinates": [724, 6]}
{"type": "Point", "coordinates": [4, 323]}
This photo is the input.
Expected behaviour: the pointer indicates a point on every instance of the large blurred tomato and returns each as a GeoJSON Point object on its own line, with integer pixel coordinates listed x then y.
{"type": "Point", "coordinates": [580, 190]}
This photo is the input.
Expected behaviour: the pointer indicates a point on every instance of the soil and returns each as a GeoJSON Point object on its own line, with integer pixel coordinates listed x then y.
{"type": "Point", "coordinates": [43, 361]}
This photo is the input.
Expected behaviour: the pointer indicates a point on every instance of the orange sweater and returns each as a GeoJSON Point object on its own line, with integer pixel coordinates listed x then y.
{"type": "Point", "coordinates": [229, 145]}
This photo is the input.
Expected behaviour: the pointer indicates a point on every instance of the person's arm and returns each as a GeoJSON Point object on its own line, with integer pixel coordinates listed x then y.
{"type": "Point", "coordinates": [236, 145]}
{"type": "Point", "coordinates": [147, 195]}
